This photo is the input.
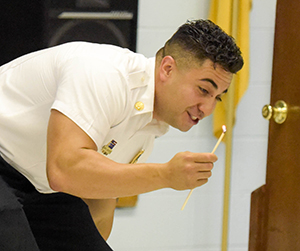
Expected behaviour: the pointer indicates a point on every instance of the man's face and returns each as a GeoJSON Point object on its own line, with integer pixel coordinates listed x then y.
{"type": "Point", "coordinates": [185, 96]}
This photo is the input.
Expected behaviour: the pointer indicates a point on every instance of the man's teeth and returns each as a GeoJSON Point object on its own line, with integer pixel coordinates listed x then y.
{"type": "Point", "coordinates": [194, 118]}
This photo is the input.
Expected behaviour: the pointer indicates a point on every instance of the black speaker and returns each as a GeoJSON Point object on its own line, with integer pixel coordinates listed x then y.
{"type": "Point", "coordinates": [27, 26]}
{"type": "Point", "coordinates": [100, 21]}
{"type": "Point", "coordinates": [21, 28]}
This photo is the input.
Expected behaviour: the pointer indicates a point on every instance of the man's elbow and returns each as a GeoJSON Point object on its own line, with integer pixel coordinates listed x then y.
{"type": "Point", "coordinates": [55, 178]}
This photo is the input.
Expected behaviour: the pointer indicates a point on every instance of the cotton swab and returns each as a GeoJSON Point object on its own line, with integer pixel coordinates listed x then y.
{"type": "Point", "coordinates": [213, 151]}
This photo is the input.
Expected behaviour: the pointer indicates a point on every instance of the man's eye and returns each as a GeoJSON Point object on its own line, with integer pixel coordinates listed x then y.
{"type": "Point", "coordinates": [204, 91]}
{"type": "Point", "coordinates": [219, 99]}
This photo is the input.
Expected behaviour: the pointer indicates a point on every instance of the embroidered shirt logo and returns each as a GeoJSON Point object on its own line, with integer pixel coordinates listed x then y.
{"type": "Point", "coordinates": [107, 149]}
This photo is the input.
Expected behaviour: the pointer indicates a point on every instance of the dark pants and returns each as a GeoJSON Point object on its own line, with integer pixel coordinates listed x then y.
{"type": "Point", "coordinates": [31, 221]}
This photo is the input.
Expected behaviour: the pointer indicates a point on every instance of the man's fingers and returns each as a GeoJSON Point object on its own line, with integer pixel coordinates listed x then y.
{"type": "Point", "coordinates": [205, 158]}
{"type": "Point", "coordinates": [203, 167]}
{"type": "Point", "coordinates": [201, 182]}
{"type": "Point", "coordinates": [204, 175]}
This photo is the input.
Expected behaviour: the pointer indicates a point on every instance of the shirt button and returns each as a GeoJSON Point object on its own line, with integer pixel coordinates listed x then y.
{"type": "Point", "coordinates": [139, 106]}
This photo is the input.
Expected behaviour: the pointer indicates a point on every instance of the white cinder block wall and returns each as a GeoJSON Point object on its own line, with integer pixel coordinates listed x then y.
{"type": "Point", "coordinates": [157, 223]}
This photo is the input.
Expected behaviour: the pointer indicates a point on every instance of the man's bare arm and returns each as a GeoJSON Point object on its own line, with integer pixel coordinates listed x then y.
{"type": "Point", "coordinates": [74, 166]}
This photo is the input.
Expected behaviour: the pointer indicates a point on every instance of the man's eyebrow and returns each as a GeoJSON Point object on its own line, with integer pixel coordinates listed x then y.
{"type": "Point", "coordinates": [213, 84]}
{"type": "Point", "coordinates": [210, 81]}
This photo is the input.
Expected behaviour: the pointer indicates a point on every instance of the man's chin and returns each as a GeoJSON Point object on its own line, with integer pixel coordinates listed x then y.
{"type": "Point", "coordinates": [183, 128]}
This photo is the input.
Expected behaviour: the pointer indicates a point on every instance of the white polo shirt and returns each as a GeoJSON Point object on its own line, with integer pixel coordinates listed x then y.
{"type": "Point", "coordinates": [106, 90]}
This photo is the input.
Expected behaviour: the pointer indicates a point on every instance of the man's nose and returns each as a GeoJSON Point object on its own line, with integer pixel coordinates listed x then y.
{"type": "Point", "coordinates": [207, 107]}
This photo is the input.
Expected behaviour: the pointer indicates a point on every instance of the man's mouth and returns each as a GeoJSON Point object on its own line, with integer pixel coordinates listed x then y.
{"type": "Point", "coordinates": [194, 118]}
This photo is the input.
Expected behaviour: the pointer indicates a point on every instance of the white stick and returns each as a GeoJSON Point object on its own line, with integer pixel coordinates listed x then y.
{"type": "Point", "coordinates": [213, 151]}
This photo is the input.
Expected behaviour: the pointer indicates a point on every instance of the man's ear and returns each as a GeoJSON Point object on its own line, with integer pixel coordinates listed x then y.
{"type": "Point", "coordinates": [167, 66]}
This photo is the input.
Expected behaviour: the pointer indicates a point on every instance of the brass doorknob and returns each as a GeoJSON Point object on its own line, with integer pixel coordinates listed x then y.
{"type": "Point", "coordinates": [278, 112]}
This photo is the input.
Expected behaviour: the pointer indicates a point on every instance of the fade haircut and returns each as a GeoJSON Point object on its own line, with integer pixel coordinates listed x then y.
{"type": "Point", "coordinates": [198, 40]}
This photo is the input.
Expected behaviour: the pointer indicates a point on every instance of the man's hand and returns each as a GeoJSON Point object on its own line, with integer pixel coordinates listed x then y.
{"type": "Point", "coordinates": [187, 170]}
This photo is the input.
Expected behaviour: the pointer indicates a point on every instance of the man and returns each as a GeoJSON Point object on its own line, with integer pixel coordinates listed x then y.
{"type": "Point", "coordinates": [73, 117]}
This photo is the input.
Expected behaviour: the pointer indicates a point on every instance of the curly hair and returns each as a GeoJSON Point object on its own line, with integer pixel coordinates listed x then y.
{"type": "Point", "coordinates": [201, 40]}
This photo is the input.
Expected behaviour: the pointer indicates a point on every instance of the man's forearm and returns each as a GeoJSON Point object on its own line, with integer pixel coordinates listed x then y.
{"type": "Point", "coordinates": [96, 177]}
